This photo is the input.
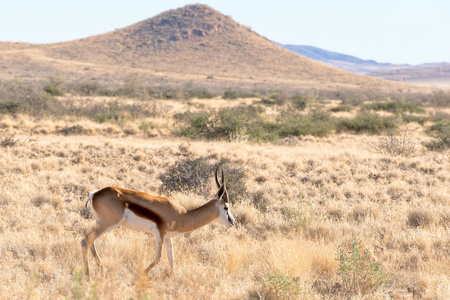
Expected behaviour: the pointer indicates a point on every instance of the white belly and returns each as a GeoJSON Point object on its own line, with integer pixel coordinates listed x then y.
{"type": "Point", "coordinates": [134, 222]}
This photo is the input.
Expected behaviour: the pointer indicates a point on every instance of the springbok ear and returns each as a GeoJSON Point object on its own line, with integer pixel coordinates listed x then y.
{"type": "Point", "coordinates": [222, 194]}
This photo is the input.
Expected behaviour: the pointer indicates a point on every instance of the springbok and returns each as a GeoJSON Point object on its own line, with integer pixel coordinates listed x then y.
{"type": "Point", "coordinates": [113, 207]}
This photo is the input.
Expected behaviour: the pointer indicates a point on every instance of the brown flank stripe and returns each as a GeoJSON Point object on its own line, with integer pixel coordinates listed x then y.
{"type": "Point", "coordinates": [144, 212]}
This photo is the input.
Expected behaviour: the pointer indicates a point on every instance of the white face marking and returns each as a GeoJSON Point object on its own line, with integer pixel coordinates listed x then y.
{"type": "Point", "coordinates": [134, 222]}
{"type": "Point", "coordinates": [225, 215]}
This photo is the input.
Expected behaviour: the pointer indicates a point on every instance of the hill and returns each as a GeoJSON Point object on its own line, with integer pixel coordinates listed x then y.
{"type": "Point", "coordinates": [194, 43]}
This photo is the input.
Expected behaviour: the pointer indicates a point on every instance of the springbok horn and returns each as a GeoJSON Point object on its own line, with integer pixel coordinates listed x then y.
{"type": "Point", "coordinates": [217, 179]}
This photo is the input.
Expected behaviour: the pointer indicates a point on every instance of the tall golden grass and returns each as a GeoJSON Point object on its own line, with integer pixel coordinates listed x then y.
{"type": "Point", "coordinates": [306, 201]}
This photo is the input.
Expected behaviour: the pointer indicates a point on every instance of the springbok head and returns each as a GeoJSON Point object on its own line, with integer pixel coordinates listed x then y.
{"type": "Point", "coordinates": [225, 217]}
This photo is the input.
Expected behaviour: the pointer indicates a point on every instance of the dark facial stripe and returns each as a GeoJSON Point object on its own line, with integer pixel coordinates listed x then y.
{"type": "Point", "coordinates": [144, 212]}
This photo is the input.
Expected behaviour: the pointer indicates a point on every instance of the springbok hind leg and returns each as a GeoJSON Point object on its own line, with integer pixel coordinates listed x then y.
{"type": "Point", "coordinates": [89, 242]}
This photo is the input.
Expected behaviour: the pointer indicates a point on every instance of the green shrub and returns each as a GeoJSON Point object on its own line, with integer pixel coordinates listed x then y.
{"type": "Point", "coordinates": [197, 125]}
{"type": "Point", "coordinates": [231, 120]}
{"type": "Point", "coordinates": [230, 123]}
{"type": "Point", "coordinates": [90, 89]}
{"type": "Point", "coordinates": [299, 102]}
{"type": "Point", "coordinates": [365, 122]}
{"type": "Point", "coordinates": [342, 108]}
{"type": "Point", "coordinates": [111, 112]}
{"type": "Point", "coordinates": [395, 107]}
{"type": "Point", "coordinates": [267, 101]}
{"type": "Point", "coordinates": [283, 286]}
{"type": "Point", "coordinates": [440, 131]}
{"type": "Point", "coordinates": [145, 126]}
{"type": "Point", "coordinates": [301, 216]}
{"type": "Point", "coordinates": [278, 96]}
{"type": "Point", "coordinates": [412, 118]}
{"type": "Point", "coordinates": [54, 90]}
{"type": "Point", "coordinates": [232, 94]}
{"type": "Point", "coordinates": [172, 94]}
{"type": "Point", "coordinates": [246, 122]}
{"type": "Point", "coordinates": [440, 98]}
{"type": "Point", "coordinates": [10, 107]}
{"type": "Point", "coordinates": [26, 98]}
{"type": "Point", "coordinates": [200, 93]}
{"type": "Point", "coordinates": [316, 123]}
{"type": "Point", "coordinates": [358, 272]}
{"type": "Point", "coordinates": [79, 290]}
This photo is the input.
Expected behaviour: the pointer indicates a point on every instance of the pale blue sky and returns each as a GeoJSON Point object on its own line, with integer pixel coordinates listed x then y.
{"type": "Point", "coordinates": [396, 31]}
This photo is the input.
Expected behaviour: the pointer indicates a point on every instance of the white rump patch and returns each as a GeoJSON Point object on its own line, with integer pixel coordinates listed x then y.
{"type": "Point", "coordinates": [91, 206]}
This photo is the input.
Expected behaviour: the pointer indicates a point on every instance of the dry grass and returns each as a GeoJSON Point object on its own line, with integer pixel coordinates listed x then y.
{"type": "Point", "coordinates": [303, 201]}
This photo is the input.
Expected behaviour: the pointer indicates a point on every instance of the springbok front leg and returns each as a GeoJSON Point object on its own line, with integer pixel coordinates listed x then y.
{"type": "Point", "coordinates": [169, 250]}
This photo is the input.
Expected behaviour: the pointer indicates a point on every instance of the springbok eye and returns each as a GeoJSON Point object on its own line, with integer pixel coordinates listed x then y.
{"type": "Point", "coordinates": [226, 208]}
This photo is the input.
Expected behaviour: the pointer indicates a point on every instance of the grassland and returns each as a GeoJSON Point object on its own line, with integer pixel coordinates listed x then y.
{"type": "Point", "coordinates": [319, 216]}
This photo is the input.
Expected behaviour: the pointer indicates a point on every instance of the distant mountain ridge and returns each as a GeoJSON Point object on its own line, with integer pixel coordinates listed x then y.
{"type": "Point", "coordinates": [339, 60]}
{"type": "Point", "coordinates": [324, 55]}
{"type": "Point", "coordinates": [429, 72]}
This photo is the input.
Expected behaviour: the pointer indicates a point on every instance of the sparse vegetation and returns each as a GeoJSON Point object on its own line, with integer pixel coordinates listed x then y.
{"type": "Point", "coordinates": [359, 274]}
{"type": "Point", "coordinates": [299, 192]}
{"type": "Point", "coordinates": [319, 215]}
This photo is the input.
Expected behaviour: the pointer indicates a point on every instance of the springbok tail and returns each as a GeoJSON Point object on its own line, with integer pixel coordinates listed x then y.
{"type": "Point", "coordinates": [89, 199]}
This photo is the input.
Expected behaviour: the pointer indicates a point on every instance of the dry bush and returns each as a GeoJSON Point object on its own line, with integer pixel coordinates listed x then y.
{"type": "Point", "coordinates": [188, 175]}
{"type": "Point", "coordinates": [8, 141]}
{"type": "Point", "coordinates": [69, 130]}
{"type": "Point", "coordinates": [359, 214]}
{"type": "Point", "coordinates": [419, 218]}
{"type": "Point", "coordinates": [394, 146]}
